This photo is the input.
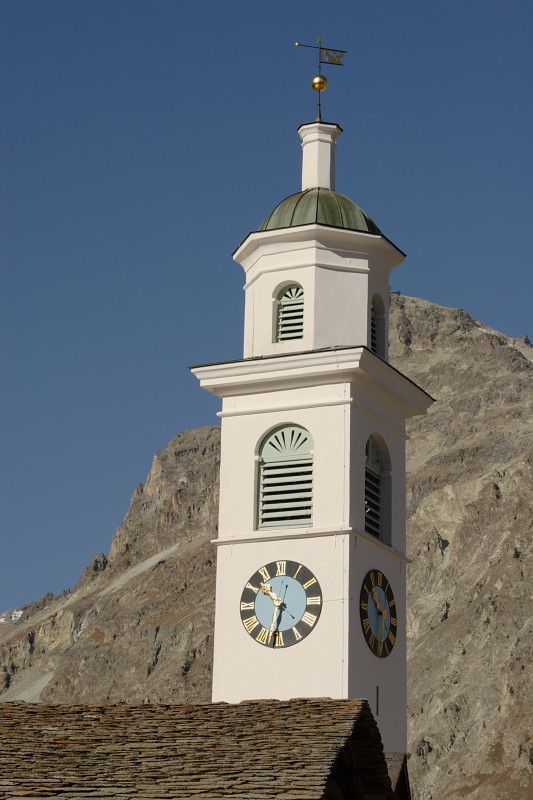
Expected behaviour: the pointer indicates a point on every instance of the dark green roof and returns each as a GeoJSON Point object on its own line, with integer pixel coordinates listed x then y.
{"type": "Point", "coordinates": [319, 206]}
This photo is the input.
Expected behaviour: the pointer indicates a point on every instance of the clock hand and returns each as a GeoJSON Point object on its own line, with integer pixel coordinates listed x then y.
{"type": "Point", "coordinates": [275, 618]}
{"type": "Point", "coordinates": [376, 600]}
{"type": "Point", "coordinates": [384, 615]}
{"type": "Point", "coordinates": [278, 605]}
{"type": "Point", "coordinates": [267, 589]}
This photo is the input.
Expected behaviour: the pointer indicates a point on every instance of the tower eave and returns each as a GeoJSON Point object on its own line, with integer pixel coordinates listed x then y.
{"type": "Point", "coordinates": [331, 365]}
{"type": "Point", "coordinates": [319, 125]}
{"type": "Point", "coordinates": [343, 238]}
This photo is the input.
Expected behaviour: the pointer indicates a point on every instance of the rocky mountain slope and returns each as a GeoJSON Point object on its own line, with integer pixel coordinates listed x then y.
{"type": "Point", "coordinates": [138, 625]}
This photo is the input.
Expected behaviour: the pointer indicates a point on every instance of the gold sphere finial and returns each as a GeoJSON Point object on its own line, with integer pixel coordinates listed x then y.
{"type": "Point", "coordinates": [319, 83]}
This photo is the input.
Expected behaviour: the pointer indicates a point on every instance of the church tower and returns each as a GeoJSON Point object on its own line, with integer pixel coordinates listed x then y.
{"type": "Point", "coordinates": [311, 564]}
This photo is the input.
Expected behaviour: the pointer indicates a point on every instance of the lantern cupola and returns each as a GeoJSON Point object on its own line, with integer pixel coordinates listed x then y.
{"type": "Point", "coordinates": [317, 270]}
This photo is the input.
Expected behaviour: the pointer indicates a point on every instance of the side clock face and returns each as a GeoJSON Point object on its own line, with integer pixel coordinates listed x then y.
{"type": "Point", "coordinates": [281, 604]}
{"type": "Point", "coordinates": [377, 607]}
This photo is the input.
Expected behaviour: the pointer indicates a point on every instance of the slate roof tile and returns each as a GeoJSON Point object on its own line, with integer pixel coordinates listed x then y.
{"type": "Point", "coordinates": [305, 749]}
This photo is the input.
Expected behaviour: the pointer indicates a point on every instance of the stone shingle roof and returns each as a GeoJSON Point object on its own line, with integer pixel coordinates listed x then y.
{"type": "Point", "coordinates": [317, 749]}
{"type": "Point", "coordinates": [397, 769]}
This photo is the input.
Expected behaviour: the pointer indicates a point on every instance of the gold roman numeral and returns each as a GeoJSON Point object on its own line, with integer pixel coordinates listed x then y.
{"type": "Point", "coordinates": [297, 634]}
{"type": "Point", "coordinates": [380, 578]}
{"type": "Point", "coordinates": [372, 579]}
{"type": "Point", "coordinates": [364, 606]}
{"type": "Point", "coordinates": [263, 636]}
{"type": "Point", "coordinates": [392, 637]}
{"type": "Point", "coordinates": [380, 648]}
{"type": "Point", "coordinates": [279, 639]}
{"type": "Point", "coordinates": [253, 588]}
{"type": "Point", "coordinates": [309, 619]}
{"type": "Point", "coordinates": [265, 574]}
{"type": "Point", "coordinates": [366, 625]}
{"type": "Point", "coordinates": [250, 623]}
{"type": "Point", "coordinates": [297, 571]}
{"type": "Point", "coordinates": [314, 601]}
{"type": "Point", "coordinates": [309, 583]}
{"type": "Point", "coordinates": [372, 640]}
{"type": "Point", "coordinates": [392, 603]}
{"type": "Point", "coordinates": [394, 621]}
{"type": "Point", "coordinates": [247, 606]}
{"type": "Point", "coordinates": [281, 567]}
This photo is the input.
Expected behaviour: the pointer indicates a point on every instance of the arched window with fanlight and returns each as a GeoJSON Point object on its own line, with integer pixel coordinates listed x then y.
{"type": "Point", "coordinates": [286, 479]}
{"type": "Point", "coordinates": [377, 490]}
{"type": "Point", "coordinates": [290, 313]}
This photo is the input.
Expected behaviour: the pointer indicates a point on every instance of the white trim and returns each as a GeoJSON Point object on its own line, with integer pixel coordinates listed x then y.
{"type": "Point", "coordinates": [252, 280]}
{"type": "Point", "coordinates": [319, 265]}
{"type": "Point", "coordinates": [288, 407]}
{"type": "Point", "coordinates": [319, 404]}
{"type": "Point", "coordinates": [316, 367]}
{"type": "Point", "coordinates": [280, 534]}
{"type": "Point", "coordinates": [342, 239]}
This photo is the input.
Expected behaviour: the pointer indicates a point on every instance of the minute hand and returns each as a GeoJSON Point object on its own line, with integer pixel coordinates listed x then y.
{"type": "Point", "coordinates": [275, 618]}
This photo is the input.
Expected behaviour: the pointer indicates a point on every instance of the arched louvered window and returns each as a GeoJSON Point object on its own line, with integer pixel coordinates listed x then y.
{"type": "Point", "coordinates": [286, 479]}
{"type": "Point", "coordinates": [373, 330]}
{"type": "Point", "coordinates": [373, 488]}
{"type": "Point", "coordinates": [290, 313]}
{"type": "Point", "coordinates": [377, 327]}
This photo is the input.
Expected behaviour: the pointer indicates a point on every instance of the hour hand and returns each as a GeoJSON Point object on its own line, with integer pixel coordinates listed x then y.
{"type": "Point", "coordinates": [267, 589]}
{"type": "Point", "coordinates": [376, 600]}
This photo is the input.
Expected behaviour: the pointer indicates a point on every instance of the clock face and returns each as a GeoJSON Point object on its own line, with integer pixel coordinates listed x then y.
{"type": "Point", "coordinates": [377, 607]}
{"type": "Point", "coordinates": [281, 604]}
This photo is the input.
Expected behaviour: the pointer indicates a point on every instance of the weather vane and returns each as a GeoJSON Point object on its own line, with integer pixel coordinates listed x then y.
{"type": "Point", "coordinates": [326, 55]}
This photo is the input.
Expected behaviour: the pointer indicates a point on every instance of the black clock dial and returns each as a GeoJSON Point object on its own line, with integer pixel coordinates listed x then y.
{"type": "Point", "coordinates": [377, 608]}
{"type": "Point", "coordinates": [281, 604]}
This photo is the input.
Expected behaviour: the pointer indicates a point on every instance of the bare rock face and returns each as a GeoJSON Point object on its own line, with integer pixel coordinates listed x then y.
{"type": "Point", "coordinates": [470, 520]}
{"type": "Point", "coordinates": [138, 626]}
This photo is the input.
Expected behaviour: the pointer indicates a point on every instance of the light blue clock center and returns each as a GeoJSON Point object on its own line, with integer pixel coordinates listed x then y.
{"type": "Point", "coordinates": [292, 593]}
{"type": "Point", "coordinates": [379, 622]}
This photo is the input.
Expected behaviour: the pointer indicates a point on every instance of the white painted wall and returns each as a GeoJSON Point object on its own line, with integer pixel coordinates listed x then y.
{"type": "Point", "coordinates": [316, 666]}
{"type": "Point", "coordinates": [318, 154]}
{"type": "Point", "coordinates": [334, 659]}
{"type": "Point", "coordinates": [242, 436]}
{"type": "Point", "coordinates": [338, 282]}
{"type": "Point", "coordinates": [367, 671]}
{"type": "Point", "coordinates": [341, 311]}
{"type": "Point", "coordinates": [364, 425]}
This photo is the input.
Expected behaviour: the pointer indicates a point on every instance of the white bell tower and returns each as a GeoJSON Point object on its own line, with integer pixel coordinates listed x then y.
{"type": "Point", "coordinates": [311, 565]}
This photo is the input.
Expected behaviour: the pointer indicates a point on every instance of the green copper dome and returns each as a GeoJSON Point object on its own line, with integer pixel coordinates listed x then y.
{"type": "Point", "coordinates": [322, 207]}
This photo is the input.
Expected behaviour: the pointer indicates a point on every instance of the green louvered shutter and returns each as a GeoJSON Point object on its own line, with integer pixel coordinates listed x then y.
{"type": "Point", "coordinates": [290, 322]}
{"type": "Point", "coordinates": [373, 470]}
{"type": "Point", "coordinates": [373, 331]}
{"type": "Point", "coordinates": [286, 479]}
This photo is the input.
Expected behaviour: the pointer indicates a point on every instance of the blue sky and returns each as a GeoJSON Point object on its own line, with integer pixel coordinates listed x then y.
{"type": "Point", "coordinates": [142, 141]}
